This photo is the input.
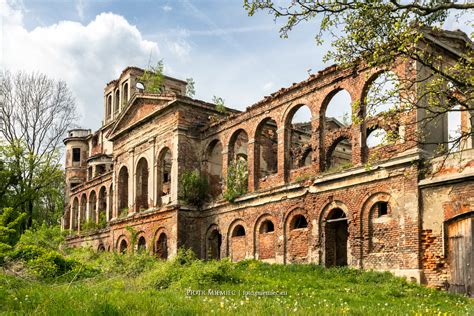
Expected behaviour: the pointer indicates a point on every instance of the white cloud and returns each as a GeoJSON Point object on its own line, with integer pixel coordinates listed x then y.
{"type": "Point", "coordinates": [85, 56]}
{"type": "Point", "coordinates": [167, 8]}
{"type": "Point", "coordinates": [180, 48]}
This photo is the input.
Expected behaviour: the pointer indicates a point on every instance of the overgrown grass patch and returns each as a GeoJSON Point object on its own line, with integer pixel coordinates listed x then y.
{"type": "Point", "coordinates": [140, 284]}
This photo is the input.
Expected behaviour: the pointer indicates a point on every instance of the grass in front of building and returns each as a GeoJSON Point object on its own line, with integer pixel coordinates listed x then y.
{"type": "Point", "coordinates": [113, 284]}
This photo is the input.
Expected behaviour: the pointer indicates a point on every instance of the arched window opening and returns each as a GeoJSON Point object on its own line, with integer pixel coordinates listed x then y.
{"type": "Point", "coordinates": [376, 137]}
{"type": "Point", "coordinates": [125, 95]}
{"type": "Point", "coordinates": [380, 208]}
{"type": "Point", "coordinates": [162, 247]}
{"type": "Point", "coordinates": [123, 191]}
{"type": "Point", "coordinates": [92, 207]}
{"type": "Point", "coordinates": [123, 247]}
{"type": "Point", "coordinates": [338, 112]}
{"type": "Point", "coordinates": [101, 248]}
{"type": "Point", "coordinates": [102, 202]}
{"type": "Point", "coordinates": [336, 236]}
{"type": "Point", "coordinates": [237, 171]}
{"type": "Point", "coordinates": [339, 155]}
{"type": "Point", "coordinates": [239, 231]}
{"type": "Point", "coordinates": [83, 210]}
{"type": "Point", "coordinates": [141, 200]}
{"type": "Point", "coordinates": [300, 130]}
{"type": "Point", "coordinates": [267, 148]}
{"type": "Point", "coordinates": [454, 128]}
{"type": "Point", "coordinates": [214, 167]}
{"type": "Point", "coordinates": [108, 109]}
{"type": "Point", "coordinates": [214, 243]}
{"type": "Point", "coordinates": [383, 94]}
{"type": "Point", "coordinates": [165, 172]}
{"type": "Point", "coordinates": [141, 245]}
{"type": "Point", "coordinates": [238, 149]}
{"type": "Point", "coordinates": [299, 221]}
{"type": "Point", "coordinates": [117, 102]}
{"type": "Point", "coordinates": [267, 227]}
{"type": "Point", "coordinates": [75, 213]}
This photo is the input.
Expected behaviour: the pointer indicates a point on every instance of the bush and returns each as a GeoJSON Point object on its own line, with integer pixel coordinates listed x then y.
{"type": "Point", "coordinates": [50, 265]}
{"type": "Point", "coordinates": [186, 270]}
{"type": "Point", "coordinates": [27, 252]}
{"type": "Point", "coordinates": [185, 257]}
{"type": "Point", "coordinates": [194, 188]}
{"type": "Point", "coordinates": [237, 180]}
{"type": "Point", "coordinates": [47, 264]}
{"type": "Point", "coordinates": [10, 223]}
{"type": "Point", "coordinates": [48, 237]}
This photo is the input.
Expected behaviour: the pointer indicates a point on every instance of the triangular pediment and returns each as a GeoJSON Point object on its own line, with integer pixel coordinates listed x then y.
{"type": "Point", "coordinates": [138, 109]}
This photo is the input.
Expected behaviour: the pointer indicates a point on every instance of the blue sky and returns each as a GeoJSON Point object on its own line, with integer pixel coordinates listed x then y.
{"type": "Point", "coordinates": [88, 43]}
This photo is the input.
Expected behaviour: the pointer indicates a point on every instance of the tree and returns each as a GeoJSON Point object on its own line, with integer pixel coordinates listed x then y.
{"type": "Point", "coordinates": [190, 87]}
{"type": "Point", "coordinates": [220, 104]}
{"type": "Point", "coordinates": [378, 33]}
{"type": "Point", "coordinates": [153, 77]}
{"type": "Point", "coordinates": [35, 114]}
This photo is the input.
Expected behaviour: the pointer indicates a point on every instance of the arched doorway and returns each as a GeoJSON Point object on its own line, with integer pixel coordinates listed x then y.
{"type": "Point", "coordinates": [214, 243]}
{"type": "Point", "coordinates": [123, 246]}
{"type": "Point", "coordinates": [238, 244]}
{"type": "Point", "coordinates": [266, 240]}
{"type": "Point", "coordinates": [141, 245]}
{"type": "Point", "coordinates": [336, 235]}
{"type": "Point", "coordinates": [162, 246]}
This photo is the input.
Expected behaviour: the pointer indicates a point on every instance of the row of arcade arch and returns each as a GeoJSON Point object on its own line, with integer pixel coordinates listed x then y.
{"type": "Point", "coordinates": [334, 229]}
{"type": "Point", "coordinates": [158, 245]}
{"type": "Point", "coordinates": [294, 135]}
{"type": "Point", "coordinates": [143, 194]}
{"type": "Point", "coordinates": [92, 207]}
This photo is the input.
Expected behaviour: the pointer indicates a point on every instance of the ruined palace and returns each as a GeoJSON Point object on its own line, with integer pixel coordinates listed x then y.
{"type": "Point", "coordinates": [322, 189]}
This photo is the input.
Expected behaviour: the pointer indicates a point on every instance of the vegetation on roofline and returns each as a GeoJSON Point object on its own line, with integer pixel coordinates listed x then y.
{"type": "Point", "coordinates": [381, 33]}
{"type": "Point", "coordinates": [153, 77]}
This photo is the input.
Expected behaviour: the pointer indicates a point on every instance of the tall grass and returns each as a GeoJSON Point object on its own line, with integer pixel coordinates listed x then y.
{"type": "Point", "coordinates": [142, 285]}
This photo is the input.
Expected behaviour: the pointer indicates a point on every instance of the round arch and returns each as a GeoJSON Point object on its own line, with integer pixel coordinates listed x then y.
{"type": "Point", "coordinates": [334, 231]}
{"type": "Point", "coordinates": [265, 238]}
{"type": "Point", "coordinates": [266, 149]}
{"type": "Point", "coordinates": [214, 161]}
{"type": "Point", "coordinates": [213, 242]}
{"type": "Point", "coordinates": [295, 237]}
{"type": "Point", "coordinates": [122, 192]}
{"type": "Point", "coordinates": [141, 184]}
{"type": "Point", "coordinates": [164, 176]}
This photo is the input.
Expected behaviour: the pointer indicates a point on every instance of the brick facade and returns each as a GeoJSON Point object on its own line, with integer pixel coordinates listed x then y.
{"type": "Point", "coordinates": [299, 206]}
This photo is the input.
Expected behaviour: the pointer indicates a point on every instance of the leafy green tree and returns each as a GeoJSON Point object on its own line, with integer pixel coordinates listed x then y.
{"type": "Point", "coordinates": [35, 114]}
{"type": "Point", "coordinates": [379, 32]}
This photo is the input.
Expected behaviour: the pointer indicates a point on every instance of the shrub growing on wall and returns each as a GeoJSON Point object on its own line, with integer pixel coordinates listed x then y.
{"type": "Point", "coordinates": [194, 188]}
{"type": "Point", "coordinates": [237, 180]}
